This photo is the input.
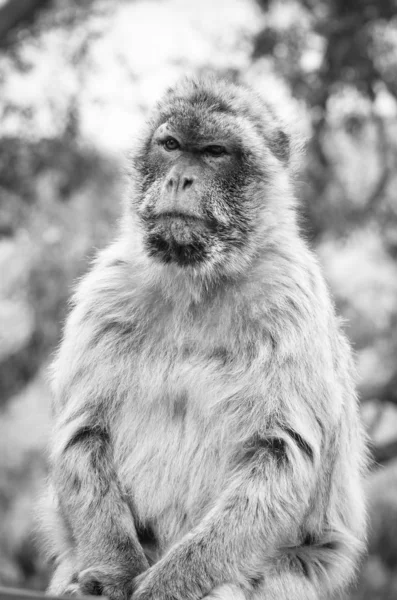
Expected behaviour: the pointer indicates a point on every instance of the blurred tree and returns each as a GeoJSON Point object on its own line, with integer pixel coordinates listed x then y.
{"type": "Point", "coordinates": [29, 165]}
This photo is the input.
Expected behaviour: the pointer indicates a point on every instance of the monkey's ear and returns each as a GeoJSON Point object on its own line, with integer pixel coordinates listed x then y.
{"type": "Point", "coordinates": [280, 145]}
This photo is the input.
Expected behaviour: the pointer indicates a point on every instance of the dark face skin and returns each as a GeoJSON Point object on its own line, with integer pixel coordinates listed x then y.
{"type": "Point", "coordinates": [195, 172]}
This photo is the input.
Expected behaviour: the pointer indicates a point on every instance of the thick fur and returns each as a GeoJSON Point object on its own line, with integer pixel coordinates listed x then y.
{"type": "Point", "coordinates": [205, 417]}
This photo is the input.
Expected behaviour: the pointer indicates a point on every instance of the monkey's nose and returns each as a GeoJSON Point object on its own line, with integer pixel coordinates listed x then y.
{"type": "Point", "coordinates": [175, 183]}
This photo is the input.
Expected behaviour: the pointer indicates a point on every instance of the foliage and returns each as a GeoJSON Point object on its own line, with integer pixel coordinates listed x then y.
{"type": "Point", "coordinates": [76, 78]}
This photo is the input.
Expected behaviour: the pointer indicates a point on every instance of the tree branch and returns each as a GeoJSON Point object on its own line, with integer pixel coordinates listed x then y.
{"type": "Point", "coordinates": [15, 12]}
{"type": "Point", "coordinates": [384, 151]}
{"type": "Point", "coordinates": [385, 452]}
{"type": "Point", "coordinates": [386, 392]}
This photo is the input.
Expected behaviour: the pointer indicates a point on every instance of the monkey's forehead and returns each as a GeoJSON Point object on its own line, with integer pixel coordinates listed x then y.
{"type": "Point", "coordinates": [213, 94]}
{"type": "Point", "coordinates": [200, 125]}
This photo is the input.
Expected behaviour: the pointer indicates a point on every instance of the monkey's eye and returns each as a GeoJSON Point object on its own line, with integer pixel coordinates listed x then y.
{"type": "Point", "coordinates": [215, 150]}
{"type": "Point", "coordinates": [171, 144]}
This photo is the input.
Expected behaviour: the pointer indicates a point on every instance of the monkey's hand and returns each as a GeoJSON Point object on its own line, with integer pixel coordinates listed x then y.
{"type": "Point", "coordinates": [180, 575]}
{"type": "Point", "coordinates": [155, 584]}
{"type": "Point", "coordinates": [104, 580]}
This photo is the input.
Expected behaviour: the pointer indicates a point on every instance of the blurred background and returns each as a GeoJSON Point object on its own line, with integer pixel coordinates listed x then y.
{"type": "Point", "coordinates": [77, 77]}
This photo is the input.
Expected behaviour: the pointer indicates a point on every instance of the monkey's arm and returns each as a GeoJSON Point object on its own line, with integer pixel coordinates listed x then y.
{"type": "Point", "coordinates": [256, 528]}
{"type": "Point", "coordinates": [92, 504]}
{"type": "Point", "coordinates": [96, 516]}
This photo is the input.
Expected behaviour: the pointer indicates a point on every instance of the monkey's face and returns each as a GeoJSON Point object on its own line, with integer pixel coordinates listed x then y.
{"type": "Point", "coordinates": [199, 173]}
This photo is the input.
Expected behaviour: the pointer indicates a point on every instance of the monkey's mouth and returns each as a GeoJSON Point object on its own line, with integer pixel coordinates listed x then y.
{"type": "Point", "coordinates": [180, 228]}
{"type": "Point", "coordinates": [178, 238]}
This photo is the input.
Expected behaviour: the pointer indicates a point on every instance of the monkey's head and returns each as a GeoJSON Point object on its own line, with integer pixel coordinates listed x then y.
{"type": "Point", "coordinates": [208, 174]}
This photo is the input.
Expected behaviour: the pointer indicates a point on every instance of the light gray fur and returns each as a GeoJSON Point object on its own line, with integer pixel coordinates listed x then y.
{"type": "Point", "coordinates": [219, 410]}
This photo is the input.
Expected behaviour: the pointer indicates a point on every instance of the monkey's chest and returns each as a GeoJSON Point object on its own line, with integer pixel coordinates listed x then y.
{"type": "Point", "coordinates": [175, 444]}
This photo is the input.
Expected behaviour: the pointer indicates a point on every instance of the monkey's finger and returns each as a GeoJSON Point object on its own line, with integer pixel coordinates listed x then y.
{"type": "Point", "coordinates": [97, 581]}
{"type": "Point", "coordinates": [226, 592]}
{"type": "Point", "coordinates": [73, 590]}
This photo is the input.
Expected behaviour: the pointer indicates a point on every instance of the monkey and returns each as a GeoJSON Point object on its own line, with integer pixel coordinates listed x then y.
{"type": "Point", "coordinates": [206, 440]}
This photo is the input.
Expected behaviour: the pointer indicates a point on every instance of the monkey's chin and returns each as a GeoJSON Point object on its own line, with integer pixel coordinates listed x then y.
{"type": "Point", "coordinates": [180, 241]}
{"type": "Point", "coordinates": [168, 250]}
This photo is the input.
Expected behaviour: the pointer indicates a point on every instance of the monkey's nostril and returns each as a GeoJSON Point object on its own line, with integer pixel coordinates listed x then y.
{"type": "Point", "coordinates": [170, 183]}
{"type": "Point", "coordinates": [187, 183]}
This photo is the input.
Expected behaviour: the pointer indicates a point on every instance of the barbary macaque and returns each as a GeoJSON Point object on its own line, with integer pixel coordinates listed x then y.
{"type": "Point", "coordinates": [206, 438]}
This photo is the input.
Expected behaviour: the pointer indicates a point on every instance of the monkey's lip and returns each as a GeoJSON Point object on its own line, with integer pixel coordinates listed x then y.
{"type": "Point", "coordinates": [179, 216]}
{"type": "Point", "coordinates": [179, 222]}
{"type": "Point", "coordinates": [180, 227]}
